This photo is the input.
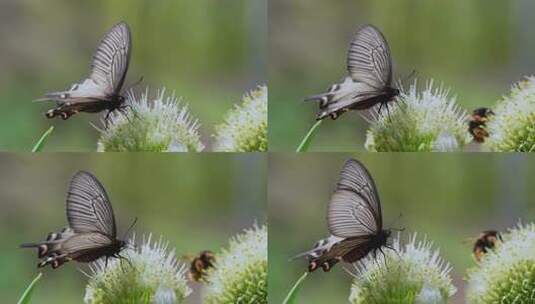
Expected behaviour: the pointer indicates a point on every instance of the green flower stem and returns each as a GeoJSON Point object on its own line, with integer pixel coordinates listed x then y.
{"type": "Point", "coordinates": [40, 144]}
{"type": "Point", "coordinates": [292, 295]}
{"type": "Point", "coordinates": [27, 295]}
{"type": "Point", "coordinates": [303, 146]}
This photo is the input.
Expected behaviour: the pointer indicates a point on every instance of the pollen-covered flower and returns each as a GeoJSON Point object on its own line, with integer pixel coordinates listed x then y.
{"type": "Point", "coordinates": [240, 271]}
{"type": "Point", "coordinates": [245, 126]}
{"type": "Point", "coordinates": [512, 128]}
{"type": "Point", "coordinates": [415, 273]}
{"type": "Point", "coordinates": [152, 274]}
{"type": "Point", "coordinates": [159, 125]}
{"type": "Point", "coordinates": [426, 121]}
{"type": "Point", "coordinates": [507, 273]}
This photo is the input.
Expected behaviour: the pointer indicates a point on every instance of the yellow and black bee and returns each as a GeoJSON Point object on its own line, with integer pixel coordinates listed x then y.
{"type": "Point", "coordinates": [200, 264]}
{"type": "Point", "coordinates": [487, 240]}
{"type": "Point", "coordinates": [478, 123]}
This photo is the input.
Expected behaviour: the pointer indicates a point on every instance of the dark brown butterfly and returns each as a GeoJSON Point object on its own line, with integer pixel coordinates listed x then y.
{"type": "Point", "coordinates": [487, 240]}
{"type": "Point", "coordinates": [91, 233]}
{"type": "Point", "coordinates": [102, 90]}
{"type": "Point", "coordinates": [369, 83]}
{"type": "Point", "coordinates": [478, 122]}
{"type": "Point", "coordinates": [355, 221]}
{"type": "Point", "coordinates": [200, 264]}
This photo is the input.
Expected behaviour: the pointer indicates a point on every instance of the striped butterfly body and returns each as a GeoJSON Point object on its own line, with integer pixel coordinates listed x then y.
{"type": "Point", "coordinates": [369, 82]}
{"type": "Point", "coordinates": [102, 89]}
{"type": "Point", "coordinates": [91, 233]}
{"type": "Point", "coordinates": [354, 219]}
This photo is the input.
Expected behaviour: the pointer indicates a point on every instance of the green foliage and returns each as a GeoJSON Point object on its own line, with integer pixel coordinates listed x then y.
{"type": "Point", "coordinates": [305, 143]}
{"type": "Point", "coordinates": [27, 295]}
{"type": "Point", "coordinates": [41, 143]}
{"type": "Point", "coordinates": [291, 298]}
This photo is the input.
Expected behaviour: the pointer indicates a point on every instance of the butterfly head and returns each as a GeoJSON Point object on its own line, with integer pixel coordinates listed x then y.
{"type": "Point", "coordinates": [392, 92]}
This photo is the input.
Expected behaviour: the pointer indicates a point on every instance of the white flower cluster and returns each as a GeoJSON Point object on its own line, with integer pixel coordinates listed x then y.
{"type": "Point", "coordinates": [159, 125]}
{"type": "Point", "coordinates": [413, 273]}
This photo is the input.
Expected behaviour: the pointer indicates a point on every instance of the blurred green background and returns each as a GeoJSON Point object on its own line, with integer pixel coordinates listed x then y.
{"type": "Point", "coordinates": [477, 48]}
{"type": "Point", "coordinates": [449, 198]}
{"type": "Point", "coordinates": [194, 201]}
{"type": "Point", "coordinates": [209, 52]}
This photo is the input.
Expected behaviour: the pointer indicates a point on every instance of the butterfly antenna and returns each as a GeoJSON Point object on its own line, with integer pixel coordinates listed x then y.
{"type": "Point", "coordinates": [130, 228]}
{"type": "Point", "coordinates": [135, 84]}
{"type": "Point", "coordinates": [395, 221]}
{"type": "Point", "coordinates": [408, 77]}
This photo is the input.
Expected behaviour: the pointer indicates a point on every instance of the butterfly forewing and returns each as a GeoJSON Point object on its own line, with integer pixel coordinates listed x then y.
{"type": "Point", "coordinates": [354, 209]}
{"type": "Point", "coordinates": [88, 206]}
{"type": "Point", "coordinates": [349, 215]}
{"type": "Point", "coordinates": [111, 60]}
{"type": "Point", "coordinates": [368, 59]}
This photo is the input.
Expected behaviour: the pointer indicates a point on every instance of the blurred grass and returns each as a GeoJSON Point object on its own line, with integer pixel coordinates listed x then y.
{"type": "Point", "coordinates": [446, 197]}
{"type": "Point", "coordinates": [479, 56]}
{"type": "Point", "coordinates": [196, 202]}
{"type": "Point", "coordinates": [208, 51]}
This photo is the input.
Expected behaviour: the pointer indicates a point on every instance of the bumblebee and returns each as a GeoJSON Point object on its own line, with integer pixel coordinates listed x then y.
{"type": "Point", "coordinates": [200, 264]}
{"type": "Point", "coordinates": [487, 240]}
{"type": "Point", "coordinates": [478, 123]}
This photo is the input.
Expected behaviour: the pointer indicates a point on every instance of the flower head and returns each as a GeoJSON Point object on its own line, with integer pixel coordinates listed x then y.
{"type": "Point", "coordinates": [426, 121]}
{"type": "Point", "coordinates": [159, 125]}
{"type": "Point", "coordinates": [151, 275]}
{"type": "Point", "coordinates": [245, 126]}
{"type": "Point", "coordinates": [507, 273]}
{"type": "Point", "coordinates": [240, 271]}
{"type": "Point", "coordinates": [414, 273]}
{"type": "Point", "coordinates": [512, 128]}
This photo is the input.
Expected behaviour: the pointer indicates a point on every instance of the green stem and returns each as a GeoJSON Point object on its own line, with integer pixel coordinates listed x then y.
{"type": "Point", "coordinates": [303, 146]}
{"type": "Point", "coordinates": [40, 144]}
{"type": "Point", "coordinates": [27, 295]}
{"type": "Point", "coordinates": [292, 295]}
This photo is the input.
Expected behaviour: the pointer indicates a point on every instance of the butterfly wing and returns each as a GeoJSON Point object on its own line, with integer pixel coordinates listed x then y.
{"type": "Point", "coordinates": [368, 59]}
{"type": "Point", "coordinates": [88, 206]}
{"type": "Point", "coordinates": [354, 209]}
{"type": "Point", "coordinates": [67, 245]}
{"type": "Point", "coordinates": [111, 60]}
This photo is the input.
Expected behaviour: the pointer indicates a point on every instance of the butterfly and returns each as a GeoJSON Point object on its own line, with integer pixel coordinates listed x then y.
{"type": "Point", "coordinates": [200, 264]}
{"type": "Point", "coordinates": [354, 219]}
{"type": "Point", "coordinates": [370, 77]}
{"type": "Point", "coordinates": [102, 90]}
{"type": "Point", "coordinates": [486, 240]}
{"type": "Point", "coordinates": [478, 123]}
{"type": "Point", "coordinates": [91, 233]}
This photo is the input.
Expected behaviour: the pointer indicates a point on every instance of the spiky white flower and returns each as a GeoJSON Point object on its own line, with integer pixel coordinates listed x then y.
{"type": "Point", "coordinates": [413, 273]}
{"type": "Point", "coordinates": [507, 273]}
{"type": "Point", "coordinates": [418, 122]}
{"type": "Point", "coordinates": [152, 274]}
{"type": "Point", "coordinates": [512, 128]}
{"type": "Point", "coordinates": [240, 271]}
{"type": "Point", "coordinates": [245, 126]}
{"type": "Point", "coordinates": [159, 125]}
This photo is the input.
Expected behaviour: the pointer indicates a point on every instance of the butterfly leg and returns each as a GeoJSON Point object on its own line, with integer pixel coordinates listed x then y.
{"type": "Point", "coordinates": [106, 263]}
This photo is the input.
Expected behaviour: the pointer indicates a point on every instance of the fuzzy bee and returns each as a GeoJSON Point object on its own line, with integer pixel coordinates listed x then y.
{"type": "Point", "coordinates": [478, 122]}
{"type": "Point", "coordinates": [487, 240]}
{"type": "Point", "coordinates": [200, 264]}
